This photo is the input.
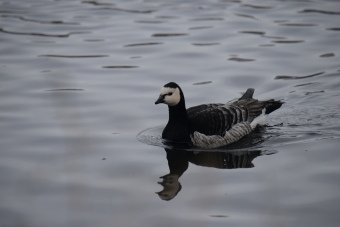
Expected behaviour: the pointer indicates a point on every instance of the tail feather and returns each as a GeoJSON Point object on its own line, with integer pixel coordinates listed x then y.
{"type": "Point", "coordinates": [248, 95]}
{"type": "Point", "coordinates": [255, 107]}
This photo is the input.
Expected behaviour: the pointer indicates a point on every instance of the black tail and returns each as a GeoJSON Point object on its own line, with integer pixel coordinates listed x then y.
{"type": "Point", "coordinates": [255, 107]}
{"type": "Point", "coordinates": [272, 105]}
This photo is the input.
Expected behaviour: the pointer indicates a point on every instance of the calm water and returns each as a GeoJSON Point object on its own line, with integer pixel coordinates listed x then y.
{"type": "Point", "coordinates": [79, 80]}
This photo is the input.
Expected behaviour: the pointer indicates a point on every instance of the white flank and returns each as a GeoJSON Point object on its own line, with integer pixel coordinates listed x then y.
{"type": "Point", "coordinates": [235, 133]}
{"type": "Point", "coordinates": [259, 120]}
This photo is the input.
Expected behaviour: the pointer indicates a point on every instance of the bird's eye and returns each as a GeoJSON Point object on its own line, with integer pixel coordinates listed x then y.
{"type": "Point", "coordinates": [170, 93]}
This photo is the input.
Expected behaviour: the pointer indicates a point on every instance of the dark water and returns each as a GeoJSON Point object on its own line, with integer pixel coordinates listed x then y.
{"type": "Point", "coordinates": [78, 83]}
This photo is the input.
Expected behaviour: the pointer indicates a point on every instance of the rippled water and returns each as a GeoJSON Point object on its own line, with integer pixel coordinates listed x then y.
{"type": "Point", "coordinates": [78, 83]}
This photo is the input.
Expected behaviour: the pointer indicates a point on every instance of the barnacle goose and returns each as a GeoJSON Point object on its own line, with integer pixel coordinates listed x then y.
{"type": "Point", "coordinates": [212, 125]}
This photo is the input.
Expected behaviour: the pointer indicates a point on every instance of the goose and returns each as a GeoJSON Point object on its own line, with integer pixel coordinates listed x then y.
{"type": "Point", "coordinates": [212, 125]}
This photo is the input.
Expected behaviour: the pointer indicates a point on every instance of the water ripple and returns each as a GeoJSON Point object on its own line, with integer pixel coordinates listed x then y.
{"type": "Point", "coordinates": [143, 44]}
{"type": "Point", "coordinates": [253, 32]}
{"type": "Point", "coordinates": [218, 216]}
{"type": "Point", "coordinates": [40, 21]}
{"type": "Point", "coordinates": [327, 55]}
{"type": "Point", "coordinates": [251, 142]}
{"type": "Point", "coordinates": [262, 34]}
{"type": "Point", "coordinates": [313, 92]}
{"type": "Point", "coordinates": [319, 11]}
{"type": "Point", "coordinates": [288, 41]}
{"type": "Point", "coordinates": [73, 56]}
{"type": "Point", "coordinates": [266, 45]}
{"type": "Point", "coordinates": [98, 3]}
{"type": "Point", "coordinates": [200, 27]}
{"type": "Point", "coordinates": [42, 41]}
{"type": "Point", "coordinates": [149, 21]}
{"type": "Point", "coordinates": [66, 89]}
{"type": "Point", "coordinates": [94, 40]}
{"type": "Point", "coordinates": [168, 34]}
{"type": "Point", "coordinates": [246, 16]}
{"type": "Point", "coordinates": [257, 6]}
{"type": "Point", "coordinates": [299, 25]}
{"type": "Point", "coordinates": [125, 10]}
{"type": "Point", "coordinates": [120, 67]}
{"type": "Point", "coordinates": [333, 29]}
{"type": "Point", "coordinates": [205, 44]}
{"type": "Point", "coordinates": [300, 85]}
{"type": "Point", "coordinates": [166, 17]}
{"type": "Point", "coordinates": [207, 19]}
{"type": "Point", "coordinates": [241, 59]}
{"type": "Point", "coordinates": [203, 82]}
{"type": "Point", "coordinates": [42, 34]}
{"type": "Point", "coordinates": [286, 77]}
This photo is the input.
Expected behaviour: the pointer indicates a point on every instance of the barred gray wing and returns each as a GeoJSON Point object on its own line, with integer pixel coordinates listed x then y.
{"type": "Point", "coordinates": [218, 120]}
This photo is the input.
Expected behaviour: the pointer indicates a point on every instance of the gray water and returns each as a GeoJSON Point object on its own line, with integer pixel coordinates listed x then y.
{"type": "Point", "coordinates": [78, 82]}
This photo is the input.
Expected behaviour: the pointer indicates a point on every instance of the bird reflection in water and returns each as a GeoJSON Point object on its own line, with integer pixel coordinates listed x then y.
{"type": "Point", "coordinates": [239, 154]}
{"type": "Point", "coordinates": [233, 156]}
{"type": "Point", "coordinates": [178, 161]}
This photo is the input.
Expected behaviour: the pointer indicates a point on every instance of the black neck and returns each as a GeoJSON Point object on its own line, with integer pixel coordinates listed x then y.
{"type": "Point", "coordinates": [177, 129]}
{"type": "Point", "coordinates": [178, 113]}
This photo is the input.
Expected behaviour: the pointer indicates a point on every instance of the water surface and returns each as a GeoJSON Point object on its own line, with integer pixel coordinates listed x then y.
{"type": "Point", "coordinates": [78, 83]}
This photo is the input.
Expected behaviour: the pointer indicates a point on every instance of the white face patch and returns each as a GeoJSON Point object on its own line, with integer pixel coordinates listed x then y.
{"type": "Point", "coordinates": [172, 96]}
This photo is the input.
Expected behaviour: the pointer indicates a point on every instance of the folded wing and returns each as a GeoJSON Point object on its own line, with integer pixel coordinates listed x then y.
{"type": "Point", "coordinates": [217, 118]}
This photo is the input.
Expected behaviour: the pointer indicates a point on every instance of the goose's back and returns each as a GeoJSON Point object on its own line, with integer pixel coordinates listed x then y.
{"type": "Point", "coordinates": [216, 119]}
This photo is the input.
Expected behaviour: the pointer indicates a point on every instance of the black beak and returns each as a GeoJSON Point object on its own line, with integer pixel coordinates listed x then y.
{"type": "Point", "coordinates": [160, 100]}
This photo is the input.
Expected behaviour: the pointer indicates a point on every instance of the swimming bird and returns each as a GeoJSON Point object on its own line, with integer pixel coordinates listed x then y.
{"type": "Point", "coordinates": [212, 125]}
